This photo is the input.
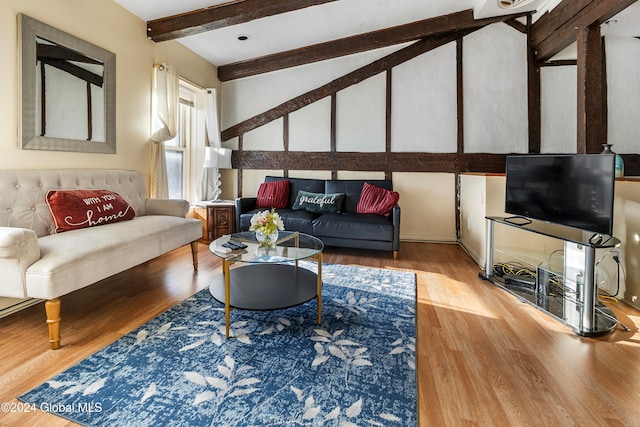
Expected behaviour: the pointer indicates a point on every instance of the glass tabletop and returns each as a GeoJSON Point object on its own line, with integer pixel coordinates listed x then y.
{"type": "Point", "coordinates": [290, 246]}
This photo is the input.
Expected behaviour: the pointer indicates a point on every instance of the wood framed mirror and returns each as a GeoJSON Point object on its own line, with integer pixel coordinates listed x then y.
{"type": "Point", "coordinates": [68, 91]}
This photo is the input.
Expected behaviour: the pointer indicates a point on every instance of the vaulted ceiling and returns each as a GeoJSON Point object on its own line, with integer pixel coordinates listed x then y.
{"type": "Point", "coordinates": [247, 37]}
{"type": "Point", "coordinates": [234, 34]}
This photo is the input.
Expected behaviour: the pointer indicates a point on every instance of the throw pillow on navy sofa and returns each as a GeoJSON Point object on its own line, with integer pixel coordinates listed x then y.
{"type": "Point", "coordinates": [318, 202]}
{"type": "Point", "coordinates": [273, 195]}
{"type": "Point", "coordinates": [376, 200]}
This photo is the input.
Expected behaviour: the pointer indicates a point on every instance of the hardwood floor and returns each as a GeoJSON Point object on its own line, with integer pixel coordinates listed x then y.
{"type": "Point", "coordinates": [484, 358]}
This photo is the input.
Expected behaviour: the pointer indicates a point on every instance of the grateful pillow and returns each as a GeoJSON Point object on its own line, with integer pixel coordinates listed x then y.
{"type": "Point", "coordinates": [74, 209]}
{"type": "Point", "coordinates": [318, 202]}
{"type": "Point", "coordinates": [273, 194]}
{"type": "Point", "coordinates": [376, 200]}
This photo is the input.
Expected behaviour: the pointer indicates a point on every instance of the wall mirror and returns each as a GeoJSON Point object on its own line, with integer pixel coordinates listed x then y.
{"type": "Point", "coordinates": [68, 91]}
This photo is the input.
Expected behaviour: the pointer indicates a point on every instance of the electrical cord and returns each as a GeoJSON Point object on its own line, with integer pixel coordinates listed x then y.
{"type": "Point", "coordinates": [519, 269]}
{"type": "Point", "coordinates": [624, 273]}
{"type": "Point", "coordinates": [552, 253]}
{"type": "Point", "coordinates": [613, 298]}
{"type": "Point", "coordinates": [613, 319]}
{"type": "Point", "coordinates": [515, 268]}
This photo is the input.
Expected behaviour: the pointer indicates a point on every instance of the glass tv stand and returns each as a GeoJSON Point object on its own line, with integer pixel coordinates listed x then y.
{"type": "Point", "coordinates": [568, 292]}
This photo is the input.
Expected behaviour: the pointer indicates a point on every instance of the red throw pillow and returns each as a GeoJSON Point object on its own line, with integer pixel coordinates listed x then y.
{"type": "Point", "coordinates": [273, 194]}
{"type": "Point", "coordinates": [376, 200]}
{"type": "Point", "coordinates": [74, 209]}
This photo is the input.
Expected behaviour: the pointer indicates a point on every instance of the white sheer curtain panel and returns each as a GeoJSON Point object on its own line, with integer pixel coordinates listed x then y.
{"type": "Point", "coordinates": [209, 179]}
{"type": "Point", "coordinates": [164, 124]}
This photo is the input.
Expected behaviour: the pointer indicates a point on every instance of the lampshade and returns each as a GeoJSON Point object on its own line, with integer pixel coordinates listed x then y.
{"type": "Point", "coordinates": [217, 157]}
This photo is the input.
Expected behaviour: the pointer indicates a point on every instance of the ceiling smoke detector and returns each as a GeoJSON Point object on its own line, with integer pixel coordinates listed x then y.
{"type": "Point", "coordinates": [513, 4]}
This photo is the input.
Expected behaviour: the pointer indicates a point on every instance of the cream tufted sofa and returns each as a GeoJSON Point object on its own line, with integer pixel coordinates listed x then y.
{"type": "Point", "coordinates": [37, 264]}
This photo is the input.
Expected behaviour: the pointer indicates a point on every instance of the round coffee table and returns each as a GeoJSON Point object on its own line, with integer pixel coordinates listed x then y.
{"type": "Point", "coordinates": [271, 278]}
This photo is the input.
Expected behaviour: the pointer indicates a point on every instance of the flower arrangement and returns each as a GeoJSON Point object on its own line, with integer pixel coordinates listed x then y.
{"type": "Point", "coordinates": [266, 222]}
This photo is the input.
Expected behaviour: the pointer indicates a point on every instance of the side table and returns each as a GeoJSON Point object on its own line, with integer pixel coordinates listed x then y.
{"type": "Point", "coordinates": [218, 218]}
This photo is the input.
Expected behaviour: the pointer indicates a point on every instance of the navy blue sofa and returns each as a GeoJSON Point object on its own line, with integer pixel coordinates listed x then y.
{"type": "Point", "coordinates": [342, 229]}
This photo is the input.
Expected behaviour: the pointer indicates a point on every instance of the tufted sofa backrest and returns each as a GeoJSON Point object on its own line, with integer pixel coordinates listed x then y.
{"type": "Point", "coordinates": [22, 193]}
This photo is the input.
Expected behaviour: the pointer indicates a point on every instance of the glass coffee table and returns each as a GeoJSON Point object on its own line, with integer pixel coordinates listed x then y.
{"type": "Point", "coordinates": [270, 278]}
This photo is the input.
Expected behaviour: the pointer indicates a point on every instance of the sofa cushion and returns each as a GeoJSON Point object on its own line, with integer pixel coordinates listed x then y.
{"type": "Point", "coordinates": [78, 258]}
{"type": "Point", "coordinates": [318, 202]}
{"type": "Point", "coordinates": [353, 226]}
{"type": "Point", "coordinates": [74, 209]}
{"type": "Point", "coordinates": [293, 220]}
{"type": "Point", "coordinates": [273, 195]}
{"type": "Point", "coordinates": [376, 200]}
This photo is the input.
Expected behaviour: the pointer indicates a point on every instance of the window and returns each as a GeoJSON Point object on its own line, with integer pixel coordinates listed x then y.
{"type": "Point", "coordinates": [180, 151]}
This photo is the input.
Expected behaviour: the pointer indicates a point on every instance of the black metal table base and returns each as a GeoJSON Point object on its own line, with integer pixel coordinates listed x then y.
{"type": "Point", "coordinates": [267, 286]}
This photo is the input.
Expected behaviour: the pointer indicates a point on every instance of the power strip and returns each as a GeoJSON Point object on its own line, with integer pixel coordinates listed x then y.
{"type": "Point", "coordinates": [525, 282]}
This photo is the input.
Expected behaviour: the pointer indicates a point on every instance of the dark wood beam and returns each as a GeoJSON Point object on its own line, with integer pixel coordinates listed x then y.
{"type": "Point", "coordinates": [361, 161]}
{"type": "Point", "coordinates": [340, 83]}
{"type": "Point", "coordinates": [460, 94]}
{"type": "Point", "coordinates": [431, 27]}
{"type": "Point", "coordinates": [219, 16]}
{"type": "Point", "coordinates": [631, 164]}
{"type": "Point", "coordinates": [559, 63]}
{"type": "Point", "coordinates": [533, 94]}
{"type": "Point", "coordinates": [557, 29]}
{"type": "Point", "coordinates": [387, 162]}
{"type": "Point", "coordinates": [517, 25]}
{"type": "Point", "coordinates": [592, 91]}
{"type": "Point", "coordinates": [388, 112]}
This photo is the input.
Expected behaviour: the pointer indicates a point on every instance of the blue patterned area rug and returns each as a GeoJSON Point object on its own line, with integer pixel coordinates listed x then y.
{"type": "Point", "coordinates": [358, 368]}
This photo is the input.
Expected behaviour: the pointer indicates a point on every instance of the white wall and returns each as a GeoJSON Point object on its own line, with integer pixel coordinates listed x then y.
{"type": "Point", "coordinates": [105, 24]}
{"type": "Point", "coordinates": [423, 119]}
{"type": "Point", "coordinates": [495, 91]}
{"type": "Point", "coordinates": [361, 125]}
{"type": "Point", "coordinates": [623, 86]}
{"type": "Point", "coordinates": [558, 114]}
{"type": "Point", "coordinates": [429, 122]}
{"type": "Point", "coordinates": [249, 96]}
{"type": "Point", "coordinates": [559, 100]}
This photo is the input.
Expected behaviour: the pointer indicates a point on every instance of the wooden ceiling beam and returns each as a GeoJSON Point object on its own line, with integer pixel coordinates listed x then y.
{"type": "Point", "coordinates": [558, 29]}
{"type": "Point", "coordinates": [219, 16]}
{"type": "Point", "coordinates": [441, 25]}
{"type": "Point", "coordinates": [341, 83]}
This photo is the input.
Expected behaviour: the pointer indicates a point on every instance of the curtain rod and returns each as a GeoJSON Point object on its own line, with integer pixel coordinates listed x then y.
{"type": "Point", "coordinates": [195, 85]}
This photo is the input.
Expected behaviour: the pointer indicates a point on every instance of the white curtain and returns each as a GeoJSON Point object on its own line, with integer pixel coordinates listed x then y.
{"type": "Point", "coordinates": [209, 179]}
{"type": "Point", "coordinates": [166, 87]}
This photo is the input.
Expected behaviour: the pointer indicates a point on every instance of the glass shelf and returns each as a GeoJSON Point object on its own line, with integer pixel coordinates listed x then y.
{"type": "Point", "coordinates": [561, 283]}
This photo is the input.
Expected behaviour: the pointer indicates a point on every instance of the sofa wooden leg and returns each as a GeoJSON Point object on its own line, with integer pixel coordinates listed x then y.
{"type": "Point", "coordinates": [395, 254]}
{"type": "Point", "coordinates": [52, 308]}
{"type": "Point", "coordinates": [194, 254]}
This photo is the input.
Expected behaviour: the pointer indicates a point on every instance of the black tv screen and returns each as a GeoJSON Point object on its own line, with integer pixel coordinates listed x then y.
{"type": "Point", "coordinates": [574, 190]}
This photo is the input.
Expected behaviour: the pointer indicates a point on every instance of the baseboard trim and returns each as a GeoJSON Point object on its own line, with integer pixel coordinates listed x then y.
{"type": "Point", "coordinates": [21, 305]}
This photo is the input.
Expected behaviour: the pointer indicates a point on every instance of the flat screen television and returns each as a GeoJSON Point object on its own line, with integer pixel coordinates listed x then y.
{"type": "Point", "coordinates": [574, 190]}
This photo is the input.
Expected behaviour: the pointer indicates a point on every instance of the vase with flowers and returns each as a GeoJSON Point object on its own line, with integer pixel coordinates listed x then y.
{"type": "Point", "coordinates": [266, 225]}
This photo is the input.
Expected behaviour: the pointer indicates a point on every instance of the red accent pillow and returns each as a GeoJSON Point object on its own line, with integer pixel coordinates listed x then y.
{"type": "Point", "coordinates": [74, 209]}
{"type": "Point", "coordinates": [376, 200]}
{"type": "Point", "coordinates": [273, 194]}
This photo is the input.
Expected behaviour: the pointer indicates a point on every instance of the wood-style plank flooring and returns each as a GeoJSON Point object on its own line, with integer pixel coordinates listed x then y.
{"type": "Point", "coordinates": [484, 358]}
